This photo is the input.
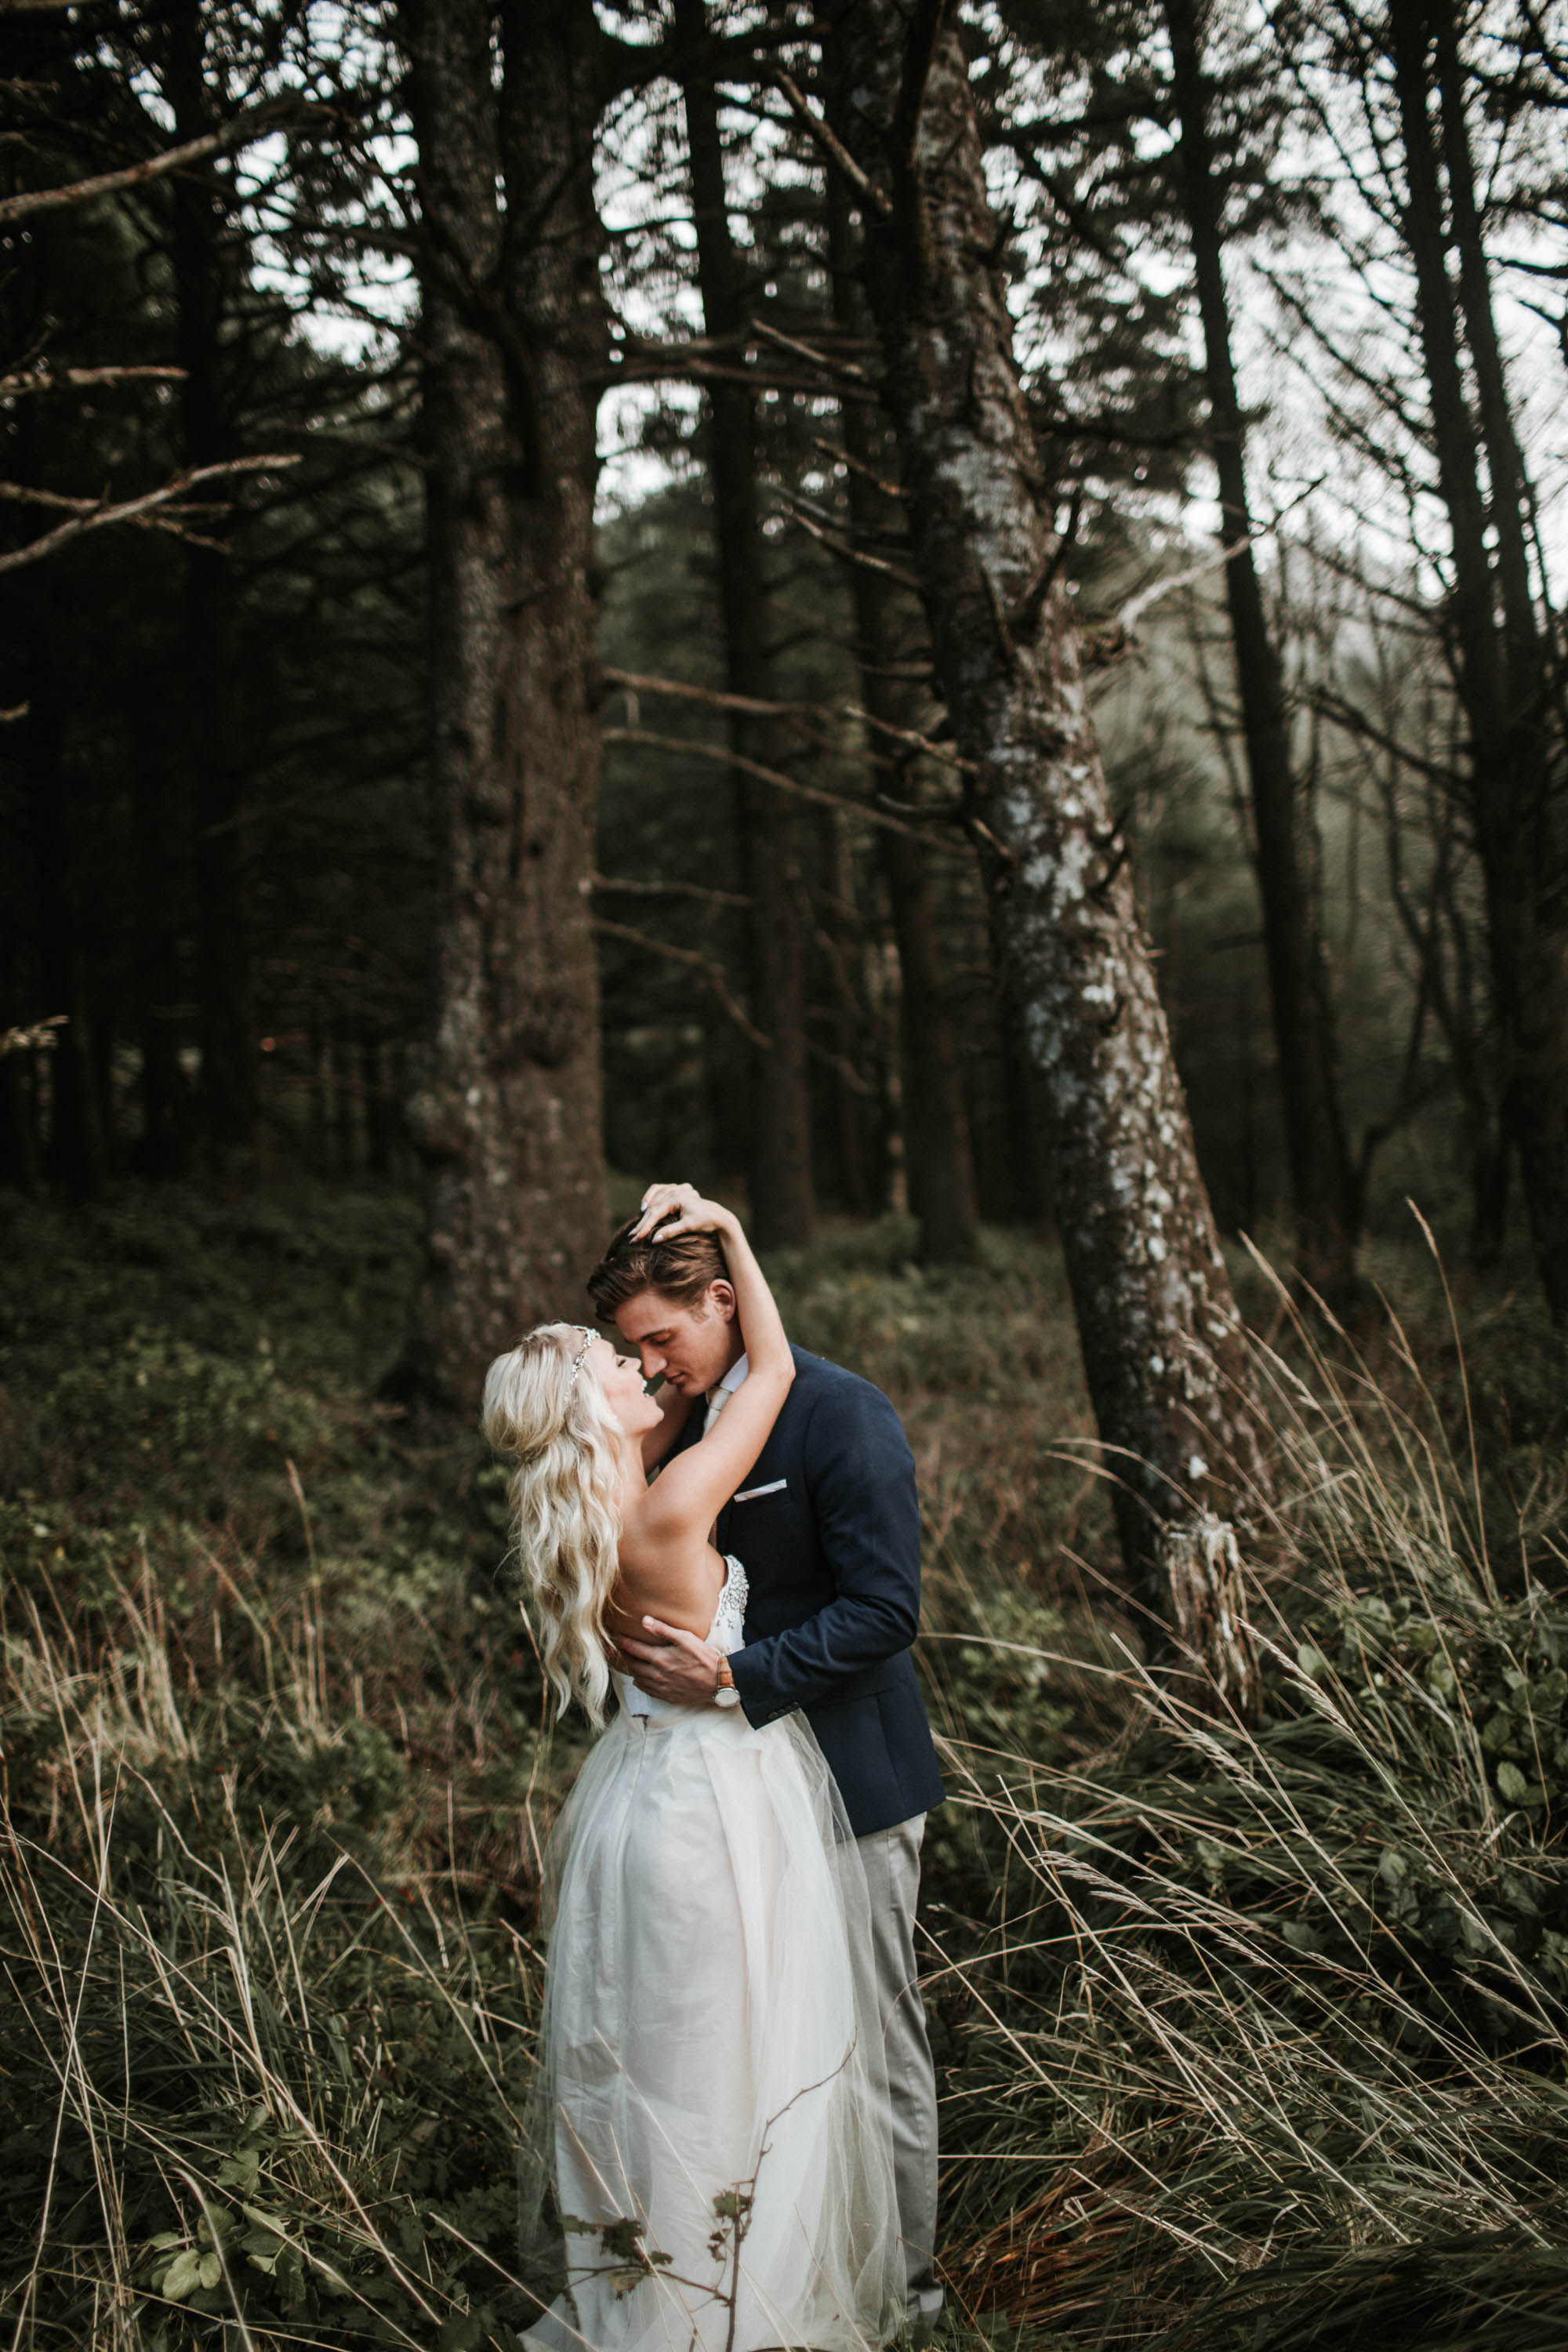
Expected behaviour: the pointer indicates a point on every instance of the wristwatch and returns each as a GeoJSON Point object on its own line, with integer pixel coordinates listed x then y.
{"type": "Point", "coordinates": [725, 1691]}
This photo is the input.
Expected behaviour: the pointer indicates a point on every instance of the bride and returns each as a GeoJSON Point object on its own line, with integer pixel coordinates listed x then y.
{"type": "Point", "coordinates": [709, 2160]}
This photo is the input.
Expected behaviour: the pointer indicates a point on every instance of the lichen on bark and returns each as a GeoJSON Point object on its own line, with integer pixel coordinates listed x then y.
{"type": "Point", "coordinates": [1162, 1340]}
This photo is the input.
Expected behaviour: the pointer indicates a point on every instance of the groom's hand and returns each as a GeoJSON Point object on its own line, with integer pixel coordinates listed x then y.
{"type": "Point", "coordinates": [672, 1664]}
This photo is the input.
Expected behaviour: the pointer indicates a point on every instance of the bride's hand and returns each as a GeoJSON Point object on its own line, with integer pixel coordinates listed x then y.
{"type": "Point", "coordinates": [693, 1214]}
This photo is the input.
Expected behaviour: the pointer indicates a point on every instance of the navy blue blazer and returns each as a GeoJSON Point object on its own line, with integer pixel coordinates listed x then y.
{"type": "Point", "coordinates": [828, 1529]}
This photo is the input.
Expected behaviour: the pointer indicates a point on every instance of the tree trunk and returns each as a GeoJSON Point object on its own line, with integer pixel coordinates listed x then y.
{"type": "Point", "coordinates": [380, 1129]}
{"type": "Point", "coordinates": [506, 1113]}
{"type": "Point", "coordinates": [941, 1171]}
{"type": "Point", "coordinates": [1161, 1337]}
{"type": "Point", "coordinates": [201, 272]}
{"type": "Point", "coordinates": [779, 1157]}
{"type": "Point", "coordinates": [1323, 1178]}
{"type": "Point", "coordinates": [157, 818]}
{"type": "Point", "coordinates": [852, 1168]}
{"type": "Point", "coordinates": [1537, 1104]}
{"type": "Point", "coordinates": [21, 1153]}
{"type": "Point", "coordinates": [21, 1160]}
{"type": "Point", "coordinates": [75, 1154]}
{"type": "Point", "coordinates": [1500, 660]}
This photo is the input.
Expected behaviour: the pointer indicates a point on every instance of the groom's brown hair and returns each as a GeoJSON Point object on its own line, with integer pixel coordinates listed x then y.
{"type": "Point", "coordinates": [679, 1270]}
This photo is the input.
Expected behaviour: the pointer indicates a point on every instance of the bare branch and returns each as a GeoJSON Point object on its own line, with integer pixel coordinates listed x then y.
{"type": "Point", "coordinates": [833, 147]}
{"type": "Point", "coordinates": [858, 466]}
{"type": "Point", "coordinates": [822, 713]}
{"type": "Point", "coordinates": [942, 752]}
{"type": "Point", "coordinates": [850, 554]}
{"type": "Point", "coordinates": [1133, 612]}
{"type": "Point", "coordinates": [809, 352]}
{"type": "Point", "coordinates": [44, 379]}
{"type": "Point", "coordinates": [623, 887]}
{"type": "Point", "coordinates": [96, 515]}
{"type": "Point", "coordinates": [678, 691]}
{"type": "Point", "coordinates": [711, 971]}
{"type": "Point", "coordinates": [241, 133]}
{"type": "Point", "coordinates": [1136, 607]}
{"type": "Point", "coordinates": [653, 363]}
{"type": "Point", "coordinates": [1357, 722]}
{"type": "Point", "coordinates": [690, 749]}
{"type": "Point", "coordinates": [39, 1039]}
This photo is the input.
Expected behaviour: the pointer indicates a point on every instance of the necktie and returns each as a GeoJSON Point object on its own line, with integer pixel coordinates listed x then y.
{"type": "Point", "coordinates": [717, 1400]}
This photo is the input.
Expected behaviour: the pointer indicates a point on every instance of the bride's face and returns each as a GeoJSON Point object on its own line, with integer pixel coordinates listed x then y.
{"type": "Point", "coordinates": [621, 1378]}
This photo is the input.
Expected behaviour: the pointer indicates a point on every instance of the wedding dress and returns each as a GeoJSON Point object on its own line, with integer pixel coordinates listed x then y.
{"type": "Point", "coordinates": [709, 2161]}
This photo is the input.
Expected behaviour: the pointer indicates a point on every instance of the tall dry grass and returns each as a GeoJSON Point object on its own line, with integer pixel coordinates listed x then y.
{"type": "Point", "coordinates": [1267, 2031]}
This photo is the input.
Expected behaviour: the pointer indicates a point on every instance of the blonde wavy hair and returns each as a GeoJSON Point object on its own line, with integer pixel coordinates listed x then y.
{"type": "Point", "coordinates": [556, 1423]}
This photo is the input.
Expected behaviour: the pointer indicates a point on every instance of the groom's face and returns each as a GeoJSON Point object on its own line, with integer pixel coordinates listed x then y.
{"type": "Point", "coordinates": [691, 1347]}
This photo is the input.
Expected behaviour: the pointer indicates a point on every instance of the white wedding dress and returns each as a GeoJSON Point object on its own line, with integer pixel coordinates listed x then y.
{"type": "Point", "coordinates": [710, 2162]}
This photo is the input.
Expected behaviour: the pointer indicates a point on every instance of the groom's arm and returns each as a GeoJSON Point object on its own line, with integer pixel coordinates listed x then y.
{"type": "Point", "coordinates": [860, 1480]}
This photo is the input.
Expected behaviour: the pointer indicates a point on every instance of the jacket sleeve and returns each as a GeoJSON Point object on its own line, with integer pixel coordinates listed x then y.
{"type": "Point", "coordinates": [860, 1478]}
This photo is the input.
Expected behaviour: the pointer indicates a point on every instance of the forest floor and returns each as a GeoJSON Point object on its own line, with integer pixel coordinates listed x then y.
{"type": "Point", "coordinates": [1246, 2038]}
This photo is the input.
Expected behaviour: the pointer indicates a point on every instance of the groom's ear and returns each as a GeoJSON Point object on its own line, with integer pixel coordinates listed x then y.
{"type": "Point", "coordinates": [722, 1300]}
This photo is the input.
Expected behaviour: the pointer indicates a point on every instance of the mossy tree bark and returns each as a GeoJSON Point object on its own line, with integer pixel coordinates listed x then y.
{"type": "Point", "coordinates": [1161, 1336]}
{"type": "Point", "coordinates": [505, 1112]}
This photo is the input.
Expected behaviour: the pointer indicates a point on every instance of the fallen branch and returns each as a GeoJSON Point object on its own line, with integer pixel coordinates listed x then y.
{"type": "Point", "coordinates": [711, 971]}
{"type": "Point", "coordinates": [90, 514]}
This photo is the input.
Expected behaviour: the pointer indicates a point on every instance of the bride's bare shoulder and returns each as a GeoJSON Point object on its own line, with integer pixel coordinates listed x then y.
{"type": "Point", "coordinates": [680, 1586]}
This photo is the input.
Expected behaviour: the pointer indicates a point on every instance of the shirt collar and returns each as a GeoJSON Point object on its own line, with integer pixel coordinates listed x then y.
{"type": "Point", "coordinates": [732, 1378]}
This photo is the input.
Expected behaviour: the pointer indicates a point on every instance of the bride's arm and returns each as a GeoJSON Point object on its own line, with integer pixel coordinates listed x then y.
{"type": "Point", "coordinates": [693, 1488]}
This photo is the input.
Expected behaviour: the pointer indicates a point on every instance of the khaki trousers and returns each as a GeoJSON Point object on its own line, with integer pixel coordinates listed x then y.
{"type": "Point", "coordinates": [892, 1859]}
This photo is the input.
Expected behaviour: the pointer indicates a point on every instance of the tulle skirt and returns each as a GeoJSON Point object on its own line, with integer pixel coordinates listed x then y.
{"type": "Point", "coordinates": [709, 2163]}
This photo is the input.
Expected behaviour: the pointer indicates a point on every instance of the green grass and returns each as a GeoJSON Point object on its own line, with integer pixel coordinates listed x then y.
{"type": "Point", "coordinates": [1247, 2038]}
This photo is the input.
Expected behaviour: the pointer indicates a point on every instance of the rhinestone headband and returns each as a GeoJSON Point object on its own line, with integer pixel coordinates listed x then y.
{"type": "Point", "coordinates": [588, 1339]}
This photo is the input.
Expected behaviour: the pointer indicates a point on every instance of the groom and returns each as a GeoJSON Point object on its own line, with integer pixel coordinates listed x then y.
{"type": "Point", "coordinates": [828, 1530]}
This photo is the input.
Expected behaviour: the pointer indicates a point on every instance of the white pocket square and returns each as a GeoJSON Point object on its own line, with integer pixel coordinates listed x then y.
{"type": "Point", "coordinates": [774, 1487]}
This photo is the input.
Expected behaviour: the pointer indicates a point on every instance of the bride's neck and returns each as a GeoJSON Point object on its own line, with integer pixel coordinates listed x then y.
{"type": "Point", "coordinates": [634, 1477]}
